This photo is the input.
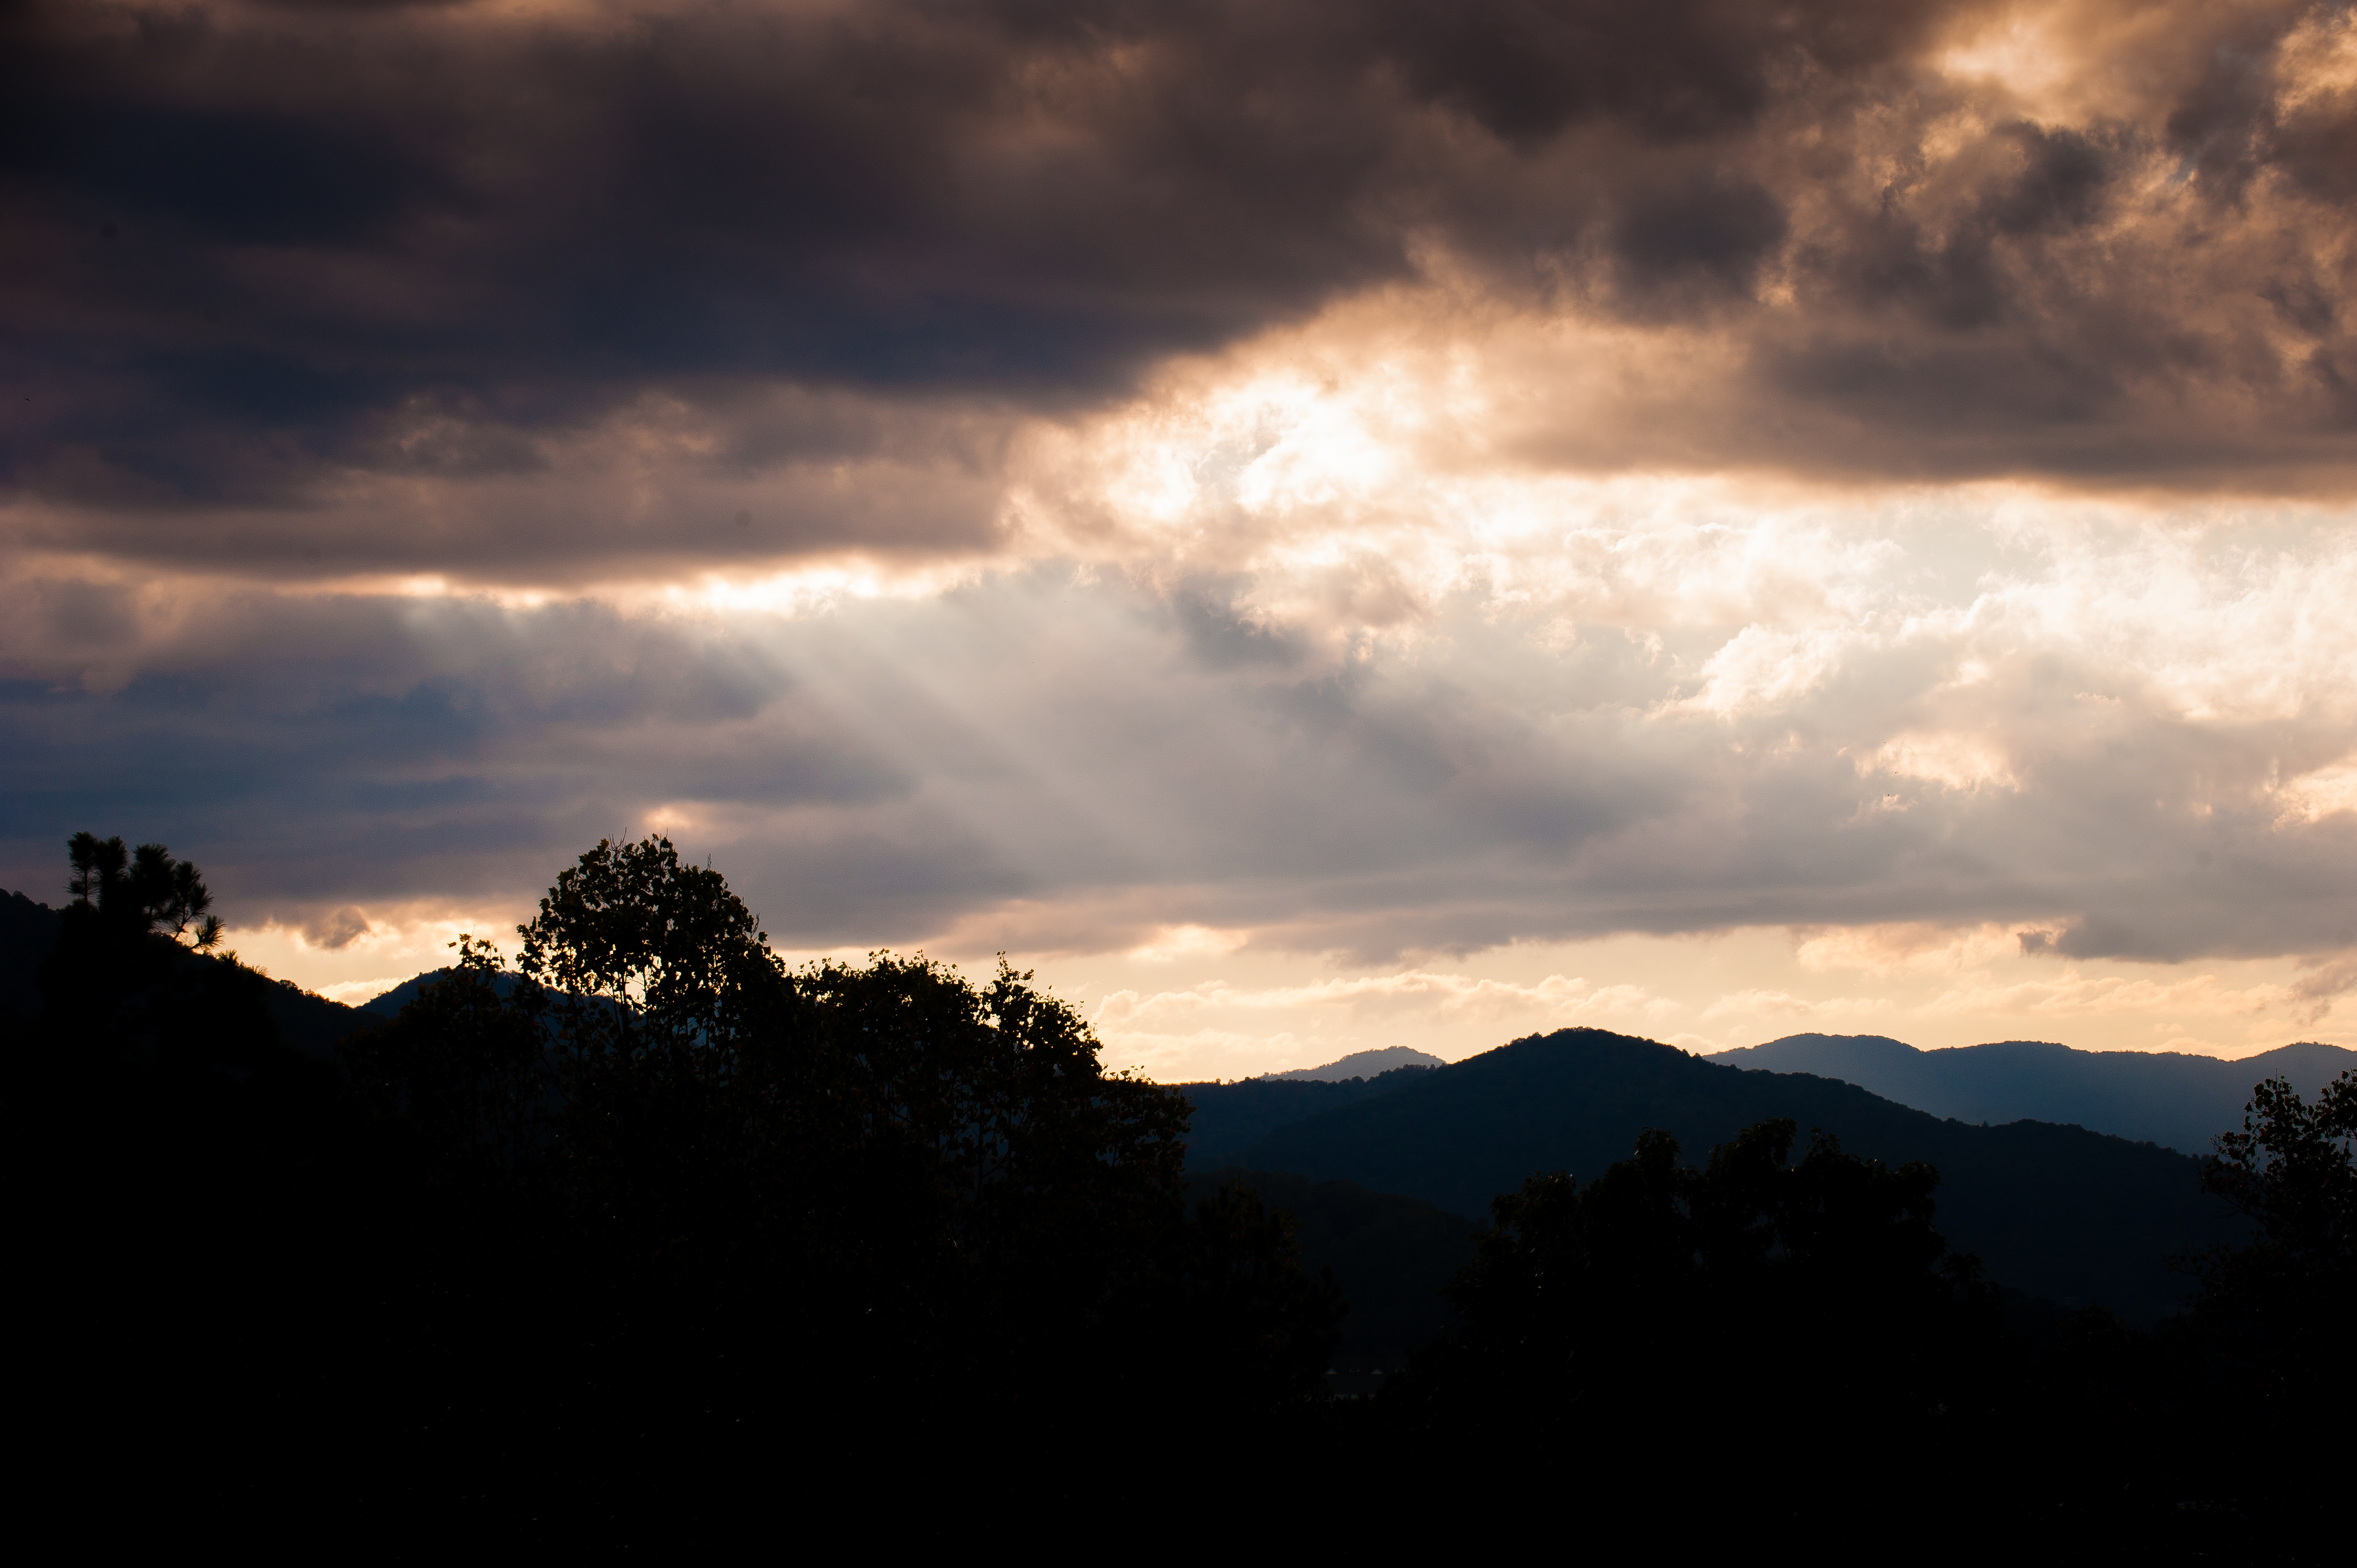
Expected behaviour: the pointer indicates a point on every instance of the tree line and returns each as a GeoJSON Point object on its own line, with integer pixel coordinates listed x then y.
{"type": "Point", "coordinates": [654, 1198]}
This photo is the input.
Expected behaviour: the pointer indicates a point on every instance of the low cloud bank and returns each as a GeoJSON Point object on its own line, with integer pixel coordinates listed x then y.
{"type": "Point", "coordinates": [1860, 735]}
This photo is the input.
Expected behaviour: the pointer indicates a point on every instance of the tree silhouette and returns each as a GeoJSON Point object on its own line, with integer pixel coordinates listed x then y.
{"type": "Point", "coordinates": [2284, 1302]}
{"type": "Point", "coordinates": [1025, 1184]}
{"type": "Point", "coordinates": [672, 960]}
{"type": "Point", "coordinates": [128, 969]}
{"type": "Point", "coordinates": [935, 1178]}
{"type": "Point", "coordinates": [142, 890]}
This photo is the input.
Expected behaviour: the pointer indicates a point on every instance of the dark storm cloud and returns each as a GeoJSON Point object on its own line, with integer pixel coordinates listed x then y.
{"type": "Point", "coordinates": [262, 261]}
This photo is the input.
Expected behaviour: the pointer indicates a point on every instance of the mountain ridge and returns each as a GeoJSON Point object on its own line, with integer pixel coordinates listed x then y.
{"type": "Point", "coordinates": [2178, 1100]}
{"type": "Point", "coordinates": [2058, 1211]}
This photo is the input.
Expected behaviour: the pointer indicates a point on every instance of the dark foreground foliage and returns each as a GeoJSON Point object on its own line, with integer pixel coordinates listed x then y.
{"type": "Point", "coordinates": [2287, 1304]}
{"type": "Point", "coordinates": [664, 1236]}
{"type": "Point", "coordinates": [1817, 1290]}
{"type": "Point", "coordinates": [660, 1219]}
{"type": "Point", "coordinates": [1765, 1342]}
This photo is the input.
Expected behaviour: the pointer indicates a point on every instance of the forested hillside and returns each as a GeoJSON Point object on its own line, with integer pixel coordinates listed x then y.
{"type": "Point", "coordinates": [1231, 1118]}
{"type": "Point", "coordinates": [2054, 1211]}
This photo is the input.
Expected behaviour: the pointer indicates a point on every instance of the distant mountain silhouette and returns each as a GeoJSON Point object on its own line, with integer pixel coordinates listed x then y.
{"type": "Point", "coordinates": [2179, 1100]}
{"type": "Point", "coordinates": [1362, 1064]}
{"type": "Point", "coordinates": [2054, 1211]}
{"type": "Point", "coordinates": [389, 1003]}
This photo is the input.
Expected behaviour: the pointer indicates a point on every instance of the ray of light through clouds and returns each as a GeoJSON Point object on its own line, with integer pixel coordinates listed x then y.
{"type": "Point", "coordinates": [1319, 526]}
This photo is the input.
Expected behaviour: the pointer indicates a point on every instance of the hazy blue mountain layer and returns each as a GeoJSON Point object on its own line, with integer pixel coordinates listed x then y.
{"type": "Point", "coordinates": [2054, 1211]}
{"type": "Point", "coordinates": [2175, 1100]}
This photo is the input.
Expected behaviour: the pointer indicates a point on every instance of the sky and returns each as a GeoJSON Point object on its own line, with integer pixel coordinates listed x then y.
{"type": "Point", "coordinates": [1310, 525]}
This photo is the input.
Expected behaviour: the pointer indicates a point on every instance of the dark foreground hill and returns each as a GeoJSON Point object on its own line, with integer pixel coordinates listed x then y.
{"type": "Point", "coordinates": [28, 933]}
{"type": "Point", "coordinates": [2055, 1212]}
{"type": "Point", "coordinates": [2168, 1097]}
